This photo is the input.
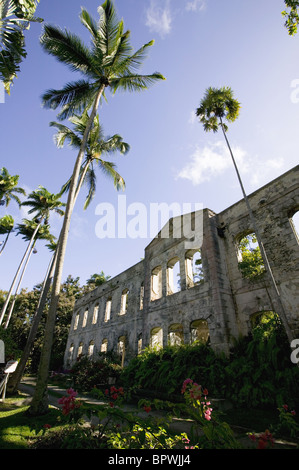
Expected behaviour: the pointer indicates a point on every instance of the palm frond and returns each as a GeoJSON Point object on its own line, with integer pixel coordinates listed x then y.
{"type": "Point", "coordinates": [133, 82]}
{"type": "Point", "coordinates": [74, 97]}
{"type": "Point", "coordinates": [128, 64]}
{"type": "Point", "coordinates": [66, 48]}
{"type": "Point", "coordinates": [65, 133]}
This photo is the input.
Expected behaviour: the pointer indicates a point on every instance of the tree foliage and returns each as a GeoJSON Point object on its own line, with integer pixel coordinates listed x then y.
{"type": "Point", "coordinates": [15, 18]}
{"type": "Point", "coordinates": [291, 16]}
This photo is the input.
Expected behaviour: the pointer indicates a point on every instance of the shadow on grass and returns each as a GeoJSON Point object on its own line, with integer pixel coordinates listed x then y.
{"type": "Point", "coordinates": [17, 428]}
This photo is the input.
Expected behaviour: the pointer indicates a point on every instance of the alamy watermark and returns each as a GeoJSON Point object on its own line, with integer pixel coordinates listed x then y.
{"type": "Point", "coordinates": [295, 352]}
{"type": "Point", "coordinates": [137, 220]}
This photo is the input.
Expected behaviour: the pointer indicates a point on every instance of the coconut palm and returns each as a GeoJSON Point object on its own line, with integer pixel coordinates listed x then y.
{"type": "Point", "coordinates": [97, 146]}
{"type": "Point", "coordinates": [6, 228]}
{"type": "Point", "coordinates": [15, 17]}
{"type": "Point", "coordinates": [26, 230]}
{"type": "Point", "coordinates": [108, 64]}
{"type": "Point", "coordinates": [8, 188]}
{"type": "Point", "coordinates": [217, 107]}
{"type": "Point", "coordinates": [17, 375]}
{"type": "Point", "coordinates": [42, 203]}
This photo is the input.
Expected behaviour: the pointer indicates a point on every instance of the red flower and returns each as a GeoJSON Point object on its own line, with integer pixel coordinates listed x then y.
{"type": "Point", "coordinates": [147, 408]}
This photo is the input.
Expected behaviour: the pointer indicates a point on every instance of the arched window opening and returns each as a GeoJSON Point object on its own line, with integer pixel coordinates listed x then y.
{"type": "Point", "coordinates": [294, 221]}
{"type": "Point", "coordinates": [194, 269]}
{"type": "Point", "coordinates": [141, 296]}
{"type": "Point", "coordinates": [76, 321]}
{"type": "Point", "coordinates": [124, 302]}
{"type": "Point", "coordinates": [139, 344]}
{"type": "Point", "coordinates": [104, 346]}
{"type": "Point", "coordinates": [80, 350]}
{"type": "Point", "coordinates": [156, 283]}
{"type": "Point", "coordinates": [250, 259]}
{"type": "Point", "coordinates": [85, 316]}
{"type": "Point", "coordinates": [95, 314]}
{"type": "Point", "coordinates": [90, 349]}
{"type": "Point", "coordinates": [263, 323]}
{"type": "Point", "coordinates": [108, 309]}
{"type": "Point", "coordinates": [199, 331]}
{"type": "Point", "coordinates": [121, 348]}
{"type": "Point", "coordinates": [70, 354]}
{"type": "Point", "coordinates": [156, 341]}
{"type": "Point", "coordinates": [175, 335]}
{"type": "Point", "coordinates": [173, 276]}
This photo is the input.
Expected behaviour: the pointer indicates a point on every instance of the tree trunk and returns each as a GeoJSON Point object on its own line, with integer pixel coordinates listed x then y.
{"type": "Point", "coordinates": [39, 404]}
{"type": "Point", "coordinates": [17, 273]}
{"type": "Point", "coordinates": [18, 286]}
{"type": "Point", "coordinates": [7, 236]}
{"type": "Point", "coordinates": [279, 306]}
{"type": "Point", "coordinates": [17, 375]}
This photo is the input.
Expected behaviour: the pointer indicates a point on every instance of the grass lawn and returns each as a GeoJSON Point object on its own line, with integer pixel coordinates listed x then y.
{"type": "Point", "coordinates": [16, 427]}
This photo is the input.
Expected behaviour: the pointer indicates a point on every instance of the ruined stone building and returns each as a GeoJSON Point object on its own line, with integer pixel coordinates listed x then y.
{"type": "Point", "coordinates": [213, 300]}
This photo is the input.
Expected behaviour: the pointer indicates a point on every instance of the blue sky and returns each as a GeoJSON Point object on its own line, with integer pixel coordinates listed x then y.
{"type": "Point", "coordinates": [198, 43]}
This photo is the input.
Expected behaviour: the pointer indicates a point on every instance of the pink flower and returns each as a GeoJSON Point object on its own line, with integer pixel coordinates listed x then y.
{"type": "Point", "coordinates": [286, 407]}
{"type": "Point", "coordinates": [47, 426]}
{"type": "Point", "coordinates": [293, 412]}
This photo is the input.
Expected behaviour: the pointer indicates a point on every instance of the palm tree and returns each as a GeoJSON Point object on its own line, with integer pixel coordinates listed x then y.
{"type": "Point", "coordinates": [219, 105]}
{"type": "Point", "coordinates": [8, 188]}
{"type": "Point", "coordinates": [42, 203]}
{"type": "Point", "coordinates": [97, 145]}
{"type": "Point", "coordinates": [6, 227]}
{"type": "Point", "coordinates": [109, 63]}
{"type": "Point", "coordinates": [15, 17]}
{"type": "Point", "coordinates": [26, 230]}
{"type": "Point", "coordinates": [17, 375]}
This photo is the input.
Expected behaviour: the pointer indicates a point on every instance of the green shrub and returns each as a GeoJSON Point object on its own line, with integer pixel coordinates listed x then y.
{"type": "Point", "coordinates": [257, 373]}
{"type": "Point", "coordinates": [87, 374]}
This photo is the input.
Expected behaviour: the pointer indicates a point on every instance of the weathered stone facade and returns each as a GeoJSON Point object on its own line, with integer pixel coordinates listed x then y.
{"type": "Point", "coordinates": [140, 307]}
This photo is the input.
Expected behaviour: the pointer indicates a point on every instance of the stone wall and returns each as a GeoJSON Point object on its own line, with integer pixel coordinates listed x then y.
{"type": "Point", "coordinates": [146, 305]}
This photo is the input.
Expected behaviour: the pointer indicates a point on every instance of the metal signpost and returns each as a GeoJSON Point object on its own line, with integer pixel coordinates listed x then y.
{"type": "Point", "coordinates": [9, 369]}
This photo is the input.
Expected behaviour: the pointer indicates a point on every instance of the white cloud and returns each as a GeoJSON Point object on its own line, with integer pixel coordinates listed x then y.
{"type": "Point", "coordinates": [159, 18]}
{"type": "Point", "coordinates": [195, 5]}
{"type": "Point", "coordinates": [214, 159]}
{"type": "Point", "coordinates": [209, 162]}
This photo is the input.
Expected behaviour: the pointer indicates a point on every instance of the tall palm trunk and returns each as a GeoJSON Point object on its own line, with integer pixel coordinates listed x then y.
{"type": "Point", "coordinates": [16, 377]}
{"type": "Point", "coordinates": [18, 286]}
{"type": "Point", "coordinates": [279, 306]}
{"type": "Point", "coordinates": [18, 272]}
{"type": "Point", "coordinates": [6, 239]}
{"type": "Point", "coordinates": [39, 404]}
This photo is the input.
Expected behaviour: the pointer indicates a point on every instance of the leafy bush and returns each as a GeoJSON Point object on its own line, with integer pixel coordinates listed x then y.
{"type": "Point", "coordinates": [87, 374]}
{"type": "Point", "coordinates": [258, 372]}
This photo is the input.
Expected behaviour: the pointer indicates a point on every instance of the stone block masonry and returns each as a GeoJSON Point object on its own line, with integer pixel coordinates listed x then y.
{"type": "Point", "coordinates": [182, 292]}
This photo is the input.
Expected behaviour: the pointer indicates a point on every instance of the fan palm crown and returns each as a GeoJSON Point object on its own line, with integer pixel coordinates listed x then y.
{"type": "Point", "coordinates": [218, 105]}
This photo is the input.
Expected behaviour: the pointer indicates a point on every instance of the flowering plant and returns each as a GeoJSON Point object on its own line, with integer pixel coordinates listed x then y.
{"type": "Point", "coordinates": [207, 432]}
{"type": "Point", "coordinates": [197, 397]}
{"type": "Point", "coordinates": [69, 404]}
{"type": "Point", "coordinates": [287, 425]}
{"type": "Point", "coordinates": [264, 440]}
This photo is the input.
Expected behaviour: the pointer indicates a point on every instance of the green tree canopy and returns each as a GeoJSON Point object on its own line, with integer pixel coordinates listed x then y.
{"type": "Point", "coordinates": [15, 18]}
